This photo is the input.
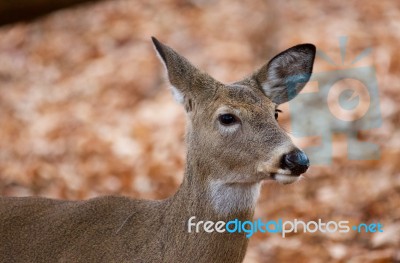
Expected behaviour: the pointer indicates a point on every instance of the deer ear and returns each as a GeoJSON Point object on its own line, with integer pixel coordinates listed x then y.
{"type": "Point", "coordinates": [181, 73]}
{"type": "Point", "coordinates": [285, 75]}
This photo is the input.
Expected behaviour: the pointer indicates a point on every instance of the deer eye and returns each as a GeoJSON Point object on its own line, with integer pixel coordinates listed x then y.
{"type": "Point", "coordinates": [228, 119]}
{"type": "Point", "coordinates": [277, 113]}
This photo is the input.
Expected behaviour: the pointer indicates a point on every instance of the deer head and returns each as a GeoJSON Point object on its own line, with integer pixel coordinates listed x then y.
{"type": "Point", "coordinates": [235, 125]}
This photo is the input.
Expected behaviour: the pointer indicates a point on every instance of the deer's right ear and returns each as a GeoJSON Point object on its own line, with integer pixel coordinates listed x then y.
{"type": "Point", "coordinates": [181, 73]}
{"type": "Point", "coordinates": [287, 73]}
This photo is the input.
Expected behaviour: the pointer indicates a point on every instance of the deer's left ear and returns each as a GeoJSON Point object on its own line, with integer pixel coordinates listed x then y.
{"type": "Point", "coordinates": [181, 73]}
{"type": "Point", "coordinates": [284, 76]}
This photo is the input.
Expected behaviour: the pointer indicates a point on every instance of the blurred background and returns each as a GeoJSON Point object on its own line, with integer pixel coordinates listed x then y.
{"type": "Point", "coordinates": [85, 109]}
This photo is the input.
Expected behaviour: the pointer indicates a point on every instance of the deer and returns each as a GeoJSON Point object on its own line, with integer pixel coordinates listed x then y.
{"type": "Point", "coordinates": [234, 143]}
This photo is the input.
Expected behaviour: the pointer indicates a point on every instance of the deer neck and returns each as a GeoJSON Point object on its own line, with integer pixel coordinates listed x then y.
{"type": "Point", "coordinates": [213, 198]}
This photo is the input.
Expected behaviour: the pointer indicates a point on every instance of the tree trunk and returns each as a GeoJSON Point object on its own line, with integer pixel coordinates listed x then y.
{"type": "Point", "coordinates": [12, 11]}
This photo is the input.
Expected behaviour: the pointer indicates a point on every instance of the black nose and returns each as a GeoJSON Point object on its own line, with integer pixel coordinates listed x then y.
{"type": "Point", "coordinates": [296, 161]}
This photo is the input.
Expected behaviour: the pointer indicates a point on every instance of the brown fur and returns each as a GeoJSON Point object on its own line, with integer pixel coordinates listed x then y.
{"type": "Point", "coordinates": [120, 229]}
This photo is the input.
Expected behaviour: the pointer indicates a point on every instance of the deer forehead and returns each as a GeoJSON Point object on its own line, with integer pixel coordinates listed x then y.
{"type": "Point", "coordinates": [245, 99]}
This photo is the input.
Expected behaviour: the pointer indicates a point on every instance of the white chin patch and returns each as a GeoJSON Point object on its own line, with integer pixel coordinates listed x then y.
{"type": "Point", "coordinates": [286, 179]}
{"type": "Point", "coordinates": [229, 199]}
